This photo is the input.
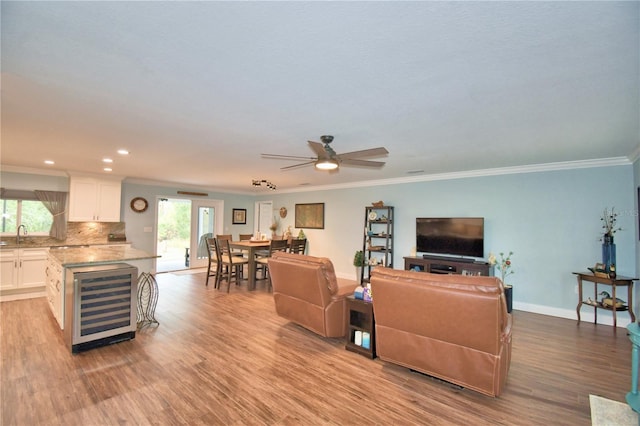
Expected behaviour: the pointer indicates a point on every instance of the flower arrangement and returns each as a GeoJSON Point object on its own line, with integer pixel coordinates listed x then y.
{"type": "Point", "coordinates": [609, 219]}
{"type": "Point", "coordinates": [274, 225]}
{"type": "Point", "coordinates": [504, 265]}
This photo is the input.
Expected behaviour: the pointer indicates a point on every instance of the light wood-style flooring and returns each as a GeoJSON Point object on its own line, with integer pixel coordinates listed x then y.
{"type": "Point", "coordinates": [220, 358]}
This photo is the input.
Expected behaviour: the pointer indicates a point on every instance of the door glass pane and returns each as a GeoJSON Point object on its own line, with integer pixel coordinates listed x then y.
{"type": "Point", "coordinates": [206, 227]}
{"type": "Point", "coordinates": [173, 234]}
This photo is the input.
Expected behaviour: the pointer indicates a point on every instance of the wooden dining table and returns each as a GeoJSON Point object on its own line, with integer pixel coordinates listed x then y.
{"type": "Point", "coordinates": [251, 247]}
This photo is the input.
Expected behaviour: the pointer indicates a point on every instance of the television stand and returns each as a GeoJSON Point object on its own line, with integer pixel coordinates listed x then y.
{"type": "Point", "coordinates": [447, 265]}
{"type": "Point", "coordinates": [449, 259]}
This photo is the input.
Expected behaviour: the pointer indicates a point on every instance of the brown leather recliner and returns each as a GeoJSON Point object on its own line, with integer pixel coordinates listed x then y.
{"type": "Point", "coordinates": [307, 292]}
{"type": "Point", "coordinates": [452, 327]}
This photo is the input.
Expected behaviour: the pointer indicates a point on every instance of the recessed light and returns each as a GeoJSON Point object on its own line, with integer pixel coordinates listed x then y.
{"type": "Point", "coordinates": [107, 160]}
{"type": "Point", "coordinates": [123, 152]}
{"type": "Point", "coordinates": [49, 162]}
{"type": "Point", "coordinates": [108, 169]}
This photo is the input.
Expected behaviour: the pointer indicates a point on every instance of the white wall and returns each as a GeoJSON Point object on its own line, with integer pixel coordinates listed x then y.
{"type": "Point", "coordinates": [550, 220]}
{"type": "Point", "coordinates": [137, 222]}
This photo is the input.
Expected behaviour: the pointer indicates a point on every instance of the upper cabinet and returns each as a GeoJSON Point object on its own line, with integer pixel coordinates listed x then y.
{"type": "Point", "coordinates": [93, 199]}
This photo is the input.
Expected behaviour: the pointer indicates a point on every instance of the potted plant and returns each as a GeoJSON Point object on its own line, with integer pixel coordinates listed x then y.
{"type": "Point", "coordinates": [358, 262]}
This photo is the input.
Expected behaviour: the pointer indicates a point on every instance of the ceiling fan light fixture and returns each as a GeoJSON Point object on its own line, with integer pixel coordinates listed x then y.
{"type": "Point", "coordinates": [326, 165]}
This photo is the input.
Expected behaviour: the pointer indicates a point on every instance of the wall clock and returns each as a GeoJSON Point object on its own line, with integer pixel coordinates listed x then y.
{"type": "Point", "coordinates": [139, 205]}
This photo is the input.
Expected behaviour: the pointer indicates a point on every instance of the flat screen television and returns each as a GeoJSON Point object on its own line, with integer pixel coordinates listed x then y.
{"type": "Point", "coordinates": [457, 236]}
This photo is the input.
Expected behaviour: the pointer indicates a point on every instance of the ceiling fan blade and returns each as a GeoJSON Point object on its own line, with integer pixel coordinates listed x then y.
{"type": "Point", "coordinates": [285, 157]}
{"type": "Point", "coordinates": [318, 148]}
{"type": "Point", "coordinates": [362, 163]}
{"type": "Point", "coordinates": [295, 166]}
{"type": "Point", "coordinates": [373, 152]}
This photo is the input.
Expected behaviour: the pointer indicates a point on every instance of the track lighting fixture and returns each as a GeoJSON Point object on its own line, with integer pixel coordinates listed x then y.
{"type": "Point", "coordinates": [264, 182]}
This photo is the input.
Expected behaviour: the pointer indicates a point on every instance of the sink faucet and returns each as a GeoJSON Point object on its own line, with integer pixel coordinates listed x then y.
{"type": "Point", "coordinates": [18, 233]}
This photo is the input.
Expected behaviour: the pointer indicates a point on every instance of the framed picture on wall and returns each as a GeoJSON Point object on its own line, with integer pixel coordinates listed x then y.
{"type": "Point", "coordinates": [239, 217]}
{"type": "Point", "coordinates": [310, 216]}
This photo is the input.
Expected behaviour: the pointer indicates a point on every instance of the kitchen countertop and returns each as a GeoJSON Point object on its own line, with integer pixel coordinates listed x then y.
{"type": "Point", "coordinates": [95, 255]}
{"type": "Point", "coordinates": [45, 244]}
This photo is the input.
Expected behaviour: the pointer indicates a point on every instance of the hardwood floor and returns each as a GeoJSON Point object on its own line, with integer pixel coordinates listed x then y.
{"type": "Point", "coordinates": [220, 358]}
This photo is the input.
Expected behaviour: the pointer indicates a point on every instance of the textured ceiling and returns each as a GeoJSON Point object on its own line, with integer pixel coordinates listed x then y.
{"type": "Point", "coordinates": [198, 90]}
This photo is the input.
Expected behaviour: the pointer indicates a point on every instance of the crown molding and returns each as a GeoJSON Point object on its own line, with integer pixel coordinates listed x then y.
{"type": "Point", "coordinates": [533, 168]}
{"type": "Point", "coordinates": [33, 171]}
{"type": "Point", "coordinates": [184, 187]}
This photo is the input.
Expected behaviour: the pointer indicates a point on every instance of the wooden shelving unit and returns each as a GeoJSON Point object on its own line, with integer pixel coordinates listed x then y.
{"type": "Point", "coordinates": [377, 241]}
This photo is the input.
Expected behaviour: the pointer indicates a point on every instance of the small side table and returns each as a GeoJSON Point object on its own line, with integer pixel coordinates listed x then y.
{"type": "Point", "coordinates": [619, 281]}
{"type": "Point", "coordinates": [633, 398]}
{"type": "Point", "coordinates": [362, 323]}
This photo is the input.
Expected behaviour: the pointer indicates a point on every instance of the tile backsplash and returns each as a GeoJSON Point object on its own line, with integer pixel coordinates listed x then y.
{"type": "Point", "coordinates": [80, 233]}
{"type": "Point", "coordinates": [92, 232]}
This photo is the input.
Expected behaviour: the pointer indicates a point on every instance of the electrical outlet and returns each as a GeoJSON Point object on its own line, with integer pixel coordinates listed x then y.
{"type": "Point", "coordinates": [575, 289]}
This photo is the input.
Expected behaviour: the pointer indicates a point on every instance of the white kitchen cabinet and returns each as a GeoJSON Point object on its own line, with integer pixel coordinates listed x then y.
{"type": "Point", "coordinates": [55, 286]}
{"type": "Point", "coordinates": [8, 269]}
{"type": "Point", "coordinates": [94, 200]}
{"type": "Point", "coordinates": [23, 268]}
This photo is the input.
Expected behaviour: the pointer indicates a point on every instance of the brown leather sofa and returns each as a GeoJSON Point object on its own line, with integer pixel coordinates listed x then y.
{"type": "Point", "coordinates": [452, 327]}
{"type": "Point", "coordinates": [307, 292]}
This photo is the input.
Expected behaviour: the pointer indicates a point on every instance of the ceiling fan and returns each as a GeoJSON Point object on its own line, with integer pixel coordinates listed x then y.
{"type": "Point", "coordinates": [327, 159]}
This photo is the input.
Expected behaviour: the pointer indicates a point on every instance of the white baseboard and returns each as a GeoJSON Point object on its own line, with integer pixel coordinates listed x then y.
{"type": "Point", "coordinates": [21, 296]}
{"type": "Point", "coordinates": [586, 314]}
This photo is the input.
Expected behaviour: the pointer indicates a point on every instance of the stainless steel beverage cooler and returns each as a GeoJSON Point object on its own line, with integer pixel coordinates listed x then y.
{"type": "Point", "coordinates": [100, 305]}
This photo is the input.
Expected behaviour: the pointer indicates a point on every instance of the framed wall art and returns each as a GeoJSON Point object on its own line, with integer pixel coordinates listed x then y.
{"type": "Point", "coordinates": [239, 217]}
{"type": "Point", "coordinates": [310, 216]}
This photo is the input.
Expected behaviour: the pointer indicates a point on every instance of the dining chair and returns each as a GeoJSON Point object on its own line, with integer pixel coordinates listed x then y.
{"type": "Point", "coordinates": [230, 266]}
{"type": "Point", "coordinates": [298, 245]}
{"type": "Point", "coordinates": [213, 261]}
{"type": "Point", "coordinates": [274, 246]}
{"type": "Point", "coordinates": [245, 237]}
{"type": "Point", "coordinates": [229, 237]}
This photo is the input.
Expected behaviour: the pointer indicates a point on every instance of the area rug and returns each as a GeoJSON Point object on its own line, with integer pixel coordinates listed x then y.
{"type": "Point", "coordinates": [605, 412]}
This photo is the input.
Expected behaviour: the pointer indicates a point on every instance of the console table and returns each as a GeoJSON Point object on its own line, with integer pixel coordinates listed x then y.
{"type": "Point", "coordinates": [619, 281]}
{"type": "Point", "coordinates": [444, 265]}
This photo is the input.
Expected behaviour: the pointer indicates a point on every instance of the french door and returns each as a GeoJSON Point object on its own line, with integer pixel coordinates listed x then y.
{"type": "Point", "coordinates": [206, 222]}
{"type": "Point", "coordinates": [263, 217]}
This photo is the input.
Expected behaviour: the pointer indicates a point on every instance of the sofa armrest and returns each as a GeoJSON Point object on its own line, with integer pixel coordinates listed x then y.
{"type": "Point", "coordinates": [506, 332]}
{"type": "Point", "coordinates": [346, 287]}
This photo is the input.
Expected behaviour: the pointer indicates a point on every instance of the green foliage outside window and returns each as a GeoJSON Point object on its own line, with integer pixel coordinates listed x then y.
{"type": "Point", "coordinates": [32, 214]}
{"type": "Point", "coordinates": [174, 221]}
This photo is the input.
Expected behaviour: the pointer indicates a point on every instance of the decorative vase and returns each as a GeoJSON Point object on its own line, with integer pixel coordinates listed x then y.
{"type": "Point", "coordinates": [608, 252]}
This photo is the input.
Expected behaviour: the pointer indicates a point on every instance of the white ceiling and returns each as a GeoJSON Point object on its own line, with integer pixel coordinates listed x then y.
{"type": "Point", "coordinates": [198, 90]}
